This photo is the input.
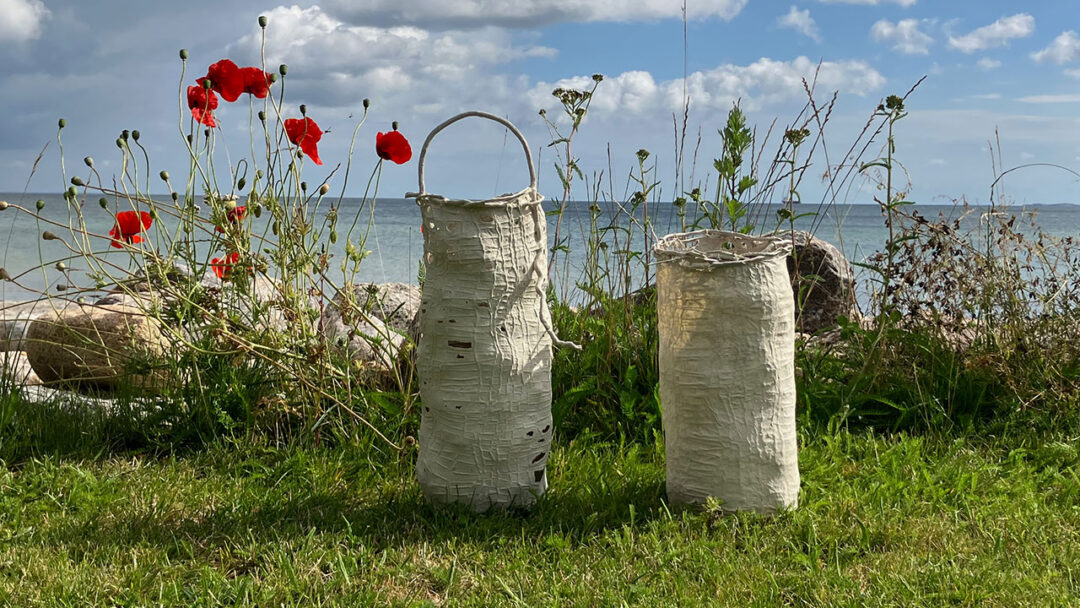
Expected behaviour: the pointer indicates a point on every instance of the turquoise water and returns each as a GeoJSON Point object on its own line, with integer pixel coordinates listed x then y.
{"type": "Point", "coordinates": [395, 241]}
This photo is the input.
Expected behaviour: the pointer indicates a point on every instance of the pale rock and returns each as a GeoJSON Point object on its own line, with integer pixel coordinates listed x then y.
{"type": "Point", "coordinates": [93, 345]}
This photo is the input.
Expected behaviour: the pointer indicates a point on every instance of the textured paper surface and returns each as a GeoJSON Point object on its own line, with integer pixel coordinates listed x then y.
{"type": "Point", "coordinates": [484, 355]}
{"type": "Point", "coordinates": [727, 370]}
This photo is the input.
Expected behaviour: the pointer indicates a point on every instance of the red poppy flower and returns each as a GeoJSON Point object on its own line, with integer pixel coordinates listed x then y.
{"type": "Point", "coordinates": [233, 216]}
{"type": "Point", "coordinates": [393, 146]}
{"type": "Point", "coordinates": [306, 134]}
{"type": "Point", "coordinates": [202, 103]}
{"type": "Point", "coordinates": [128, 226]}
{"type": "Point", "coordinates": [226, 79]}
{"type": "Point", "coordinates": [256, 81]}
{"type": "Point", "coordinates": [223, 267]}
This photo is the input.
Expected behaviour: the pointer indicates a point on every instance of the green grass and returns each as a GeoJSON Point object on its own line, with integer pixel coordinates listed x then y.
{"type": "Point", "coordinates": [989, 519]}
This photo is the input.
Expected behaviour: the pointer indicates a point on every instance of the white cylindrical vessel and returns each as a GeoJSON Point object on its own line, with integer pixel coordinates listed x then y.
{"type": "Point", "coordinates": [484, 353]}
{"type": "Point", "coordinates": [727, 370]}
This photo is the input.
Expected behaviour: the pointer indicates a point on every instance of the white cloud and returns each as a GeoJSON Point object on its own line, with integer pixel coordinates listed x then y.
{"type": "Point", "coordinates": [987, 96]}
{"type": "Point", "coordinates": [1051, 99]}
{"type": "Point", "coordinates": [337, 64]}
{"type": "Point", "coordinates": [762, 83]}
{"type": "Point", "coordinates": [23, 19]}
{"type": "Point", "coordinates": [998, 33]}
{"type": "Point", "coordinates": [988, 64]}
{"type": "Point", "coordinates": [801, 22]}
{"type": "Point", "coordinates": [903, 35]}
{"type": "Point", "coordinates": [903, 3]}
{"type": "Point", "coordinates": [440, 14]}
{"type": "Point", "coordinates": [1073, 73]}
{"type": "Point", "coordinates": [1064, 49]}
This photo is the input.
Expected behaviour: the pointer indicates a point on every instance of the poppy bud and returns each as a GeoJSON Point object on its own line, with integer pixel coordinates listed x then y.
{"type": "Point", "coordinates": [61, 287]}
{"type": "Point", "coordinates": [303, 109]}
{"type": "Point", "coordinates": [323, 189]}
{"type": "Point", "coordinates": [48, 236]}
{"type": "Point", "coordinates": [283, 69]}
{"type": "Point", "coordinates": [103, 203]}
{"type": "Point", "coordinates": [125, 134]}
{"type": "Point", "coordinates": [119, 143]}
{"type": "Point", "coordinates": [190, 139]}
{"type": "Point", "coordinates": [394, 125]}
{"type": "Point", "coordinates": [175, 197]}
{"type": "Point", "coordinates": [367, 103]}
{"type": "Point", "coordinates": [183, 55]}
{"type": "Point", "coordinates": [89, 161]}
{"type": "Point", "coordinates": [135, 135]}
{"type": "Point", "coordinates": [272, 78]}
{"type": "Point", "coordinates": [262, 20]}
{"type": "Point", "coordinates": [258, 174]}
{"type": "Point", "coordinates": [61, 123]}
{"type": "Point", "coordinates": [70, 193]}
{"type": "Point", "coordinates": [76, 181]}
{"type": "Point", "coordinates": [164, 175]}
{"type": "Point", "coordinates": [206, 132]}
{"type": "Point", "coordinates": [333, 236]}
{"type": "Point", "coordinates": [303, 186]}
{"type": "Point", "coordinates": [262, 116]}
{"type": "Point", "coordinates": [61, 266]}
{"type": "Point", "coordinates": [4, 276]}
{"type": "Point", "coordinates": [257, 210]}
{"type": "Point", "coordinates": [3, 205]}
{"type": "Point", "coordinates": [275, 228]}
{"type": "Point", "coordinates": [240, 183]}
{"type": "Point", "coordinates": [40, 205]}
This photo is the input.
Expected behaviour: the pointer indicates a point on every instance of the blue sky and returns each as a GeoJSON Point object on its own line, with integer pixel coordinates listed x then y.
{"type": "Point", "coordinates": [994, 69]}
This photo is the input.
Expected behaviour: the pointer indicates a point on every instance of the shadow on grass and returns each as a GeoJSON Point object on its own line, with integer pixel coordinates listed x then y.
{"type": "Point", "coordinates": [382, 511]}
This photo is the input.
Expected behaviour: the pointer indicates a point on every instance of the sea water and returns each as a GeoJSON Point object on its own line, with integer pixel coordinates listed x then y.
{"type": "Point", "coordinates": [390, 230]}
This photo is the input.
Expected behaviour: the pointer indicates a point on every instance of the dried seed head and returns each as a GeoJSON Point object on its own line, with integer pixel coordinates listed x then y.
{"type": "Point", "coordinates": [164, 175]}
{"type": "Point", "coordinates": [48, 236]}
{"type": "Point", "coordinates": [61, 266]}
{"type": "Point", "coordinates": [61, 123]}
{"type": "Point", "coordinates": [262, 21]}
{"type": "Point", "coordinates": [323, 189]}
{"type": "Point", "coordinates": [77, 181]}
{"type": "Point", "coordinates": [283, 69]}
{"type": "Point", "coordinates": [4, 276]}
{"type": "Point", "coordinates": [4, 205]}
{"type": "Point", "coordinates": [89, 161]}
{"type": "Point", "coordinates": [183, 54]}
